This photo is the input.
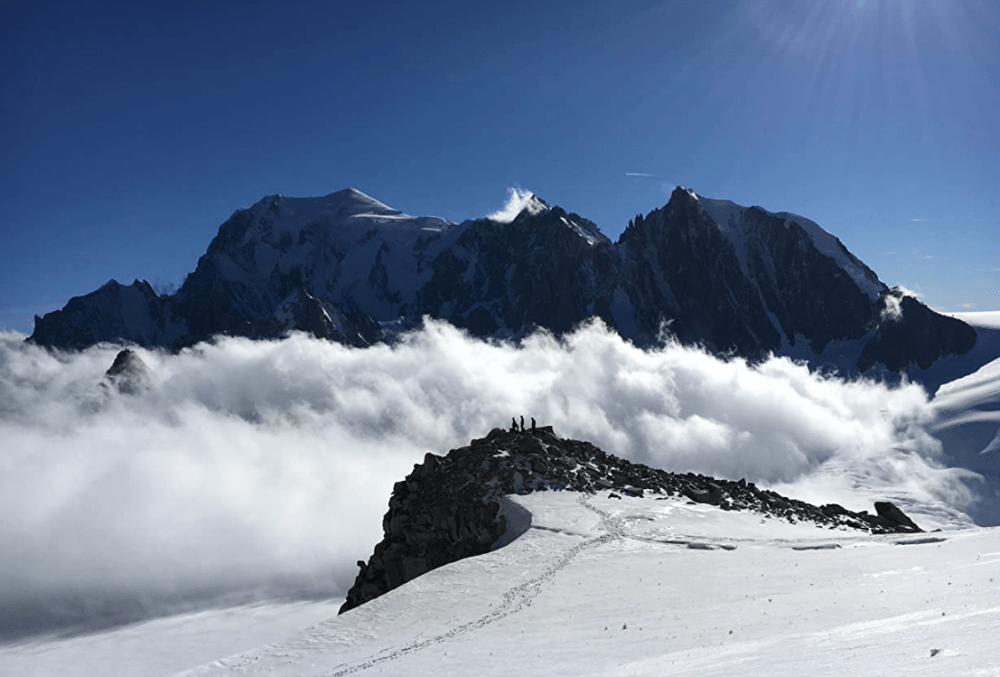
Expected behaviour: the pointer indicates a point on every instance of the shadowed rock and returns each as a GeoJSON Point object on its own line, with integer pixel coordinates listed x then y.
{"type": "Point", "coordinates": [894, 515]}
{"type": "Point", "coordinates": [129, 374]}
{"type": "Point", "coordinates": [911, 334]}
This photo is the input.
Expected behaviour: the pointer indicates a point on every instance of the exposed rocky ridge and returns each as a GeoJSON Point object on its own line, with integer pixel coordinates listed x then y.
{"type": "Point", "coordinates": [115, 312]}
{"type": "Point", "coordinates": [348, 268]}
{"type": "Point", "coordinates": [448, 508]}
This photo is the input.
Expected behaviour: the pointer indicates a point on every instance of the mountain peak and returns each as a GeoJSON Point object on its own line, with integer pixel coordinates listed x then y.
{"type": "Point", "coordinates": [361, 203]}
{"type": "Point", "coordinates": [682, 194]}
{"type": "Point", "coordinates": [519, 202]}
{"type": "Point", "coordinates": [342, 203]}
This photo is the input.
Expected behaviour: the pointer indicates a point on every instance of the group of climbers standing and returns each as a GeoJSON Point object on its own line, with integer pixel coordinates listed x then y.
{"type": "Point", "coordinates": [514, 427]}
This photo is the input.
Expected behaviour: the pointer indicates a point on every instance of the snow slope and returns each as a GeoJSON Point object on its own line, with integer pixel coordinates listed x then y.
{"type": "Point", "coordinates": [967, 415]}
{"type": "Point", "coordinates": [966, 410]}
{"type": "Point", "coordinates": [334, 243]}
{"type": "Point", "coordinates": [600, 586]}
{"type": "Point", "coordinates": [951, 368]}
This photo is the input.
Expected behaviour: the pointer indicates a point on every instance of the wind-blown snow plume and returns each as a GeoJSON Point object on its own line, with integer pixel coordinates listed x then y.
{"type": "Point", "coordinates": [517, 201]}
{"type": "Point", "coordinates": [893, 309]}
{"type": "Point", "coordinates": [263, 468]}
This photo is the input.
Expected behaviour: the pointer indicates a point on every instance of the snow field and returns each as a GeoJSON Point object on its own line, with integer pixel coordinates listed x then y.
{"type": "Point", "coordinates": [601, 586]}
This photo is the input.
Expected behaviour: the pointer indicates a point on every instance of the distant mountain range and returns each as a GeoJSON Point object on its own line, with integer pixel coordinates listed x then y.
{"type": "Point", "coordinates": [345, 267]}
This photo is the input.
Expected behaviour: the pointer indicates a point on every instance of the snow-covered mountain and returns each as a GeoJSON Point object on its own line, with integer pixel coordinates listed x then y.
{"type": "Point", "coordinates": [348, 268]}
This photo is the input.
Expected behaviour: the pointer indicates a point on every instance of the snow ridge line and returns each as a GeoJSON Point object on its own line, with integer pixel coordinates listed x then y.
{"type": "Point", "coordinates": [513, 601]}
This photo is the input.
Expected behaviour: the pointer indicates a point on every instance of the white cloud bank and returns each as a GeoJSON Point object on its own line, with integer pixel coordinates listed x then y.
{"type": "Point", "coordinates": [264, 468]}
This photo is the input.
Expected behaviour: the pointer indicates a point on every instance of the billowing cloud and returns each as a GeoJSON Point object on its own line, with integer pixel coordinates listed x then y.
{"type": "Point", "coordinates": [262, 469]}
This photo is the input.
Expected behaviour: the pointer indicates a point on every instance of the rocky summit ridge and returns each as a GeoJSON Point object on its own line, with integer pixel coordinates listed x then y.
{"type": "Point", "coordinates": [348, 268]}
{"type": "Point", "coordinates": [452, 507]}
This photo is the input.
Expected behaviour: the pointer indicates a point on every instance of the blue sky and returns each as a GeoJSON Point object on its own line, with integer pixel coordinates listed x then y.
{"type": "Point", "coordinates": [131, 131]}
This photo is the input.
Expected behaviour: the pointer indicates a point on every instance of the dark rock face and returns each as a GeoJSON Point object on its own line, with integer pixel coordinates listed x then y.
{"type": "Point", "coordinates": [324, 320]}
{"type": "Point", "coordinates": [808, 293]}
{"type": "Point", "coordinates": [540, 270]}
{"type": "Point", "coordinates": [448, 508]}
{"type": "Point", "coordinates": [129, 374]}
{"type": "Point", "coordinates": [891, 514]}
{"type": "Point", "coordinates": [911, 333]}
{"type": "Point", "coordinates": [347, 268]}
{"type": "Point", "coordinates": [683, 270]}
{"type": "Point", "coordinates": [109, 314]}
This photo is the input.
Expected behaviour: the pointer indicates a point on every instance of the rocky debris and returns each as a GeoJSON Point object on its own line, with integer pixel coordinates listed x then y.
{"type": "Point", "coordinates": [448, 508]}
{"type": "Point", "coordinates": [129, 374]}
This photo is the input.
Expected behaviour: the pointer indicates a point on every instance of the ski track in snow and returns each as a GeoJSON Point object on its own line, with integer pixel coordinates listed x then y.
{"type": "Point", "coordinates": [513, 601]}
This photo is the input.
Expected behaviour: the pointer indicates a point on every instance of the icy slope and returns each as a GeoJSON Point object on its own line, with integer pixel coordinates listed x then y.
{"type": "Point", "coordinates": [165, 645]}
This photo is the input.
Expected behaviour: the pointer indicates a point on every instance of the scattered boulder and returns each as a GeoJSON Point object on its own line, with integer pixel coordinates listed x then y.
{"type": "Point", "coordinates": [895, 516]}
{"type": "Point", "coordinates": [710, 494]}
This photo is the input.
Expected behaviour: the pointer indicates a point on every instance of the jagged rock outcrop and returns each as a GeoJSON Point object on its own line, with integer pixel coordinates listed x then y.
{"type": "Point", "coordinates": [448, 508]}
{"type": "Point", "coordinates": [345, 267]}
{"type": "Point", "coordinates": [890, 512]}
{"type": "Point", "coordinates": [128, 374]}
{"type": "Point", "coordinates": [113, 313]}
{"type": "Point", "coordinates": [542, 269]}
